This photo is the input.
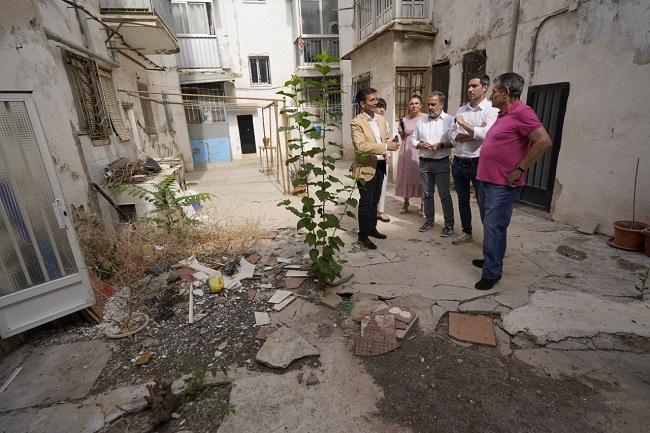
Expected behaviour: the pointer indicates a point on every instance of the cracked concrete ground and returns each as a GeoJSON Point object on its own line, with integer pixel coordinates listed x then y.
{"type": "Point", "coordinates": [545, 296]}
{"type": "Point", "coordinates": [564, 307]}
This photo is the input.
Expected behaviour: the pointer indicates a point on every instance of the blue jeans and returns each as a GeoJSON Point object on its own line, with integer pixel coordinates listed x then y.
{"type": "Point", "coordinates": [464, 172]}
{"type": "Point", "coordinates": [495, 203]}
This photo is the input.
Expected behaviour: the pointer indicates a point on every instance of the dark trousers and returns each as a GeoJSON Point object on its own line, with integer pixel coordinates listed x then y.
{"type": "Point", "coordinates": [435, 174]}
{"type": "Point", "coordinates": [464, 172]}
{"type": "Point", "coordinates": [369, 193]}
{"type": "Point", "coordinates": [495, 203]}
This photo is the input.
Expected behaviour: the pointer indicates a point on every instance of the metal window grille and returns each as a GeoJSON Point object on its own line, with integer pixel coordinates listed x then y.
{"type": "Point", "coordinates": [359, 82]}
{"type": "Point", "coordinates": [260, 71]}
{"type": "Point", "coordinates": [147, 109]}
{"type": "Point", "coordinates": [89, 96]}
{"type": "Point", "coordinates": [314, 97]}
{"type": "Point", "coordinates": [414, 8]}
{"type": "Point", "coordinates": [315, 46]}
{"type": "Point", "coordinates": [408, 82]}
{"type": "Point", "coordinates": [202, 105]}
{"type": "Point", "coordinates": [473, 64]}
{"type": "Point", "coordinates": [113, 105]}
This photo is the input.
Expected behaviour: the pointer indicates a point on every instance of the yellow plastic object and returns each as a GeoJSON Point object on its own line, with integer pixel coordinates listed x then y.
{"type": "Point", "coordinates": [215, 284]}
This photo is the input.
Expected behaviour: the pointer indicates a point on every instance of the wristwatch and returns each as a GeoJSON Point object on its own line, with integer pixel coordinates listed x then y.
{"type": "Point", "coordinates": [520, 168]}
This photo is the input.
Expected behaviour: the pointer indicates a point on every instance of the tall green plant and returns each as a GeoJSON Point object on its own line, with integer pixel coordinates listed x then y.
{"type": "Point", "coordinates": [167, 201]}
{"type": "Point", "coordinates": [317, 213]}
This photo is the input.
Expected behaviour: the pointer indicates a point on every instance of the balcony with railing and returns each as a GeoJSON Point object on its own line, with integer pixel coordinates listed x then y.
{"type": "Point", "coordinates": [198, 52]}
{"type": "Point", "coordinates": [308, 48]}
{"type": "Point", "coordinates": [372, 15]}
{"type": "Point", "coordinates": [145, 25]}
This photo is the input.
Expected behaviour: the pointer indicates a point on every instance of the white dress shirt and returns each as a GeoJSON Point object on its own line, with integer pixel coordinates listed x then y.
{"type": "Point", "coordinates": [372, 121]}
{"type": "Point", "coordinates": [433, 131]}
{"type": "Point", "coordinates": [483, 113]}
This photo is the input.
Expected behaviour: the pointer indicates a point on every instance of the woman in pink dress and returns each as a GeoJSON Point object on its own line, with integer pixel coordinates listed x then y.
{"type": "Point", "coordinates": [408, 165]}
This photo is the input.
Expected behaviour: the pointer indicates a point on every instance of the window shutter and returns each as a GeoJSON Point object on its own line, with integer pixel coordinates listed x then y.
{"type": "Point", "coordinates": [113, 106]}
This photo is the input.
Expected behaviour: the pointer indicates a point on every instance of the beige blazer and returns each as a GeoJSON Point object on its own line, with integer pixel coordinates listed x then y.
{"type": "Point", "coordinates": [366, 148]}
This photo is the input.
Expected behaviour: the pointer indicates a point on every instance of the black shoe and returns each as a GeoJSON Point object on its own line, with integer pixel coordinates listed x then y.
{"type": "Point", "coordinates": [478, 263]}
{"type": "Point", "coordinates": [486, 283]}
{"type": "Point", "coordinates": [377, 235]}
{"type": "Point", "coordinates": [367, 243]}
{"type": "Point", "coordinates": [425, 227]}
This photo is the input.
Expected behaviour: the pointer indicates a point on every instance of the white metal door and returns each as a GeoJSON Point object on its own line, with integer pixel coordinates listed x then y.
{"type": "Point", "coordinates": [42, 273]}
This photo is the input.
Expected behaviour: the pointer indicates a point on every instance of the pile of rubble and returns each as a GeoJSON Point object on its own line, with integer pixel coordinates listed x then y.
{"type": "Point", "coordinates": [381, 330]}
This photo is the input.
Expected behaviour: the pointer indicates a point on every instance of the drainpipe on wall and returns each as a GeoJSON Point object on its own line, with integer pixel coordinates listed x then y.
{"type": "Point", "coordinates": [573, 5]}
{"type": "Point", "coordinates": [128, 107]}
{"type": "Point", "coordinates": [510, 60]}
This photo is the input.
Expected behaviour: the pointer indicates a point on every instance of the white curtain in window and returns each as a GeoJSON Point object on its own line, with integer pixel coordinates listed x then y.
{"type": "Point", "coordinates": [197, 14]}
{"type": "Point", "coordinates": [180, 18]}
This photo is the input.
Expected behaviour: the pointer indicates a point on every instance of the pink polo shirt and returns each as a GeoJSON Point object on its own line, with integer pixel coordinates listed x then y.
{"type": "Point", "coordinates": [506, 143]}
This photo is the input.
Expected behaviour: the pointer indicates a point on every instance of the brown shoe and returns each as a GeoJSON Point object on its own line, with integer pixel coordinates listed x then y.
{"type": "Point", "coordinates": [382, 217]}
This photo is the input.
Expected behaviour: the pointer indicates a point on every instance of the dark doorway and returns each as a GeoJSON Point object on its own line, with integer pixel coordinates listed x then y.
{"type": "Point", "coordinates": [440, 80]}
{"type": "Point", "coordinates": [549, 102]}
{"type": "Point", "coordinates": [246, 134]}
{"type": "Point", "coordinates": [473, 64]}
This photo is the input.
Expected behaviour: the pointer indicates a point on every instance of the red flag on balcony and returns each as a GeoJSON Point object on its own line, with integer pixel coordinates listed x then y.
{"type": "Point", "coordinates": [301, 43]}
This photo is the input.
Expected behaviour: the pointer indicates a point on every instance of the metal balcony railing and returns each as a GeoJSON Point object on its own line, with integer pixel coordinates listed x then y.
{"type": "Point", "coordinates": [370, 15]}
{"type": "Point", "coordinates": [198, 52]}
{"type": "Point", "coordinates": [162, 8]}
{"type": "Point", "coordinates": [314, 46]}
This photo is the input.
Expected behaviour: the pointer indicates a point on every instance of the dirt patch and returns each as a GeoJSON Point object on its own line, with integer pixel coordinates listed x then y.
{"type": "Point", "coordinates": [431, 384]}
{"type": "Point", "coordinates": [571, 253]}
{"type": "Point", "coordinates": [627, 265]}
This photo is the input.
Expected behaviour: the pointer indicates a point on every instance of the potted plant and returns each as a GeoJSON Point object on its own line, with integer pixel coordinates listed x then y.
{"type": "Point", "coordinates": [646, 234]}
{"type": "Point", "coordinates": [628, 235]}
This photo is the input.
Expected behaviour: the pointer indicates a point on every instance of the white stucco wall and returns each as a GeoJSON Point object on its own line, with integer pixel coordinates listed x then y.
{"type": "Point", "coordinates": [600, 48]}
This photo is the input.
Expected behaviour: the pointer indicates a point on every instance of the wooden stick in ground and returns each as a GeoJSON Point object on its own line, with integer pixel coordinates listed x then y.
{"type": "Point", "coordinates": [636, 173]}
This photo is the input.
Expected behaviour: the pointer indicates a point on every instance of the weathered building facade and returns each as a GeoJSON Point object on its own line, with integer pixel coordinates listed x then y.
{"type": "Point", "coordinates": [584, 63]}
{"type": "Point", "coordinates": [81, 85]}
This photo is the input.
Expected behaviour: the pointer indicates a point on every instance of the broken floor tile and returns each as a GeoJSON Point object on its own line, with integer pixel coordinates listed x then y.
{"type": "Point", "coordinates": [403, 333]}
{"type": "Point", "coordinates": [476, 329]}
{"type": "Point", "coordinates": [262, 318]}
{"type": "Point", "coordinates": [283, 260]}
{"type": "Point", "coordinates": [120, 401]}
{"type": "Point", "coordinates": [482, 305]}
{"type": "Point", "coordinates": [271, 261]}
{"type": "Point", "coordinates": [294, 267]}
{"type": "Point", "coordinates": [246, 270]}
{"type": "Point", "coordinates": [67, 417]}
{"type": "Point", "coordinates": [253, 259]}
{"type": "Point", "coordinates": [293, 283]}
{"type": "Point", "coordinates": [401, 314]}
{"type": "Point", "coordinates": [283, 347]}
{"type": "Point", "coordinates": [250, 294]}
{"type": "Point", "coordinates": [264, 332]}
{"type": "Point", "coordinates": [280, 305]}
{"type": "Point", "coordinates": [296, 274]}
{"type": "Point", "coordinates": [279, 296]}
{"type": "Point", "coordinates": [377, 339]}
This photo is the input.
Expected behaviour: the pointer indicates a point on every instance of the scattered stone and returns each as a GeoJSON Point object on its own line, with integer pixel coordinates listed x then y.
{"type": "Point", "coordinates": [279, 296]}
{"type": "Point", "coordinates": [344, 279]}
{"type": "Point", "coordinates": [283, 347]}
{"type": "Point", "coordinates": [173, 276]}
{"type": "Point", "coordinates": [246, 270]}
{"type": "Point", "coordinates": [331, 299]}
{"type": "Point", "coordinates": [283, 260]}
{"type": "Point", "coordinates": [66, 417]}
{"type": "Point", "coordinates": [230, 267]}
{"type": "Point", "coordinates": [262, 318]}
{"type": "Point", "coordinates": [201, 276]}
{"type": "Point", "coordinates": [476, 329]}
{"type": "Point", "coordinates": [209, 379]}
{"type": "Point", "coordinates": [122, 401]}
{"type": "Point", "coordinates": [402, 333]}
{"type": "Point", "coordinates": [571, 253]}
{"type": "Point", "coordinates": [270, 261]}
{"type": "Point", "coordinates": [401, 314]}
{"type": "Point", "coordinates": [386, 297]}
{"type": "Point", "coordinates": [312, 379]}
{"type": "Point", "coordinates": [294, 267]}
{"type": "Point", "coordinates": [222, 346]}
{"type": "Point", "coordinates": [250, 294]}
{"type": "Point", "coordinates": [483, 305]}
{"type": "Point", "coordinates": [279, 306]}
{"type": "Point", "coordinates": [144, 358]}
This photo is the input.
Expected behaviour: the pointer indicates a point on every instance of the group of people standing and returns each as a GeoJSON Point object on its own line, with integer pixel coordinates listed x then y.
{"type": "Point", "coordinates": [493, 143]}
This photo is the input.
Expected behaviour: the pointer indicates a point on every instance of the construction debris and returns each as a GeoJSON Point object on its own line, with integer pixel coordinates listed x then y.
{"type": "Point", "coordinates": [279, 306]}
{"type": "Point", "coordinates": [283, 347]}
{"type": "Point", "coordinates": [279, 296]}
{"type": "Point", "coordinates": [294, 283]}
{"type": "Point", "coordinates": [262, 318]}
{"type": "Point", "coordinates": [476, 329]}
{"type": "Point", "coordinates": [294, 273]}
{"type": "Point", "coordinates": [377, 335]}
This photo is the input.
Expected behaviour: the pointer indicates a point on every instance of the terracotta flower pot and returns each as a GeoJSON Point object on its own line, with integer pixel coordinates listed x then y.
{"type": "Point", "coordinates": [299, 189]}
{"type": "Point", "coordinates": [646, 234]}
{"type": "Point", "coordinates": [629, 235]}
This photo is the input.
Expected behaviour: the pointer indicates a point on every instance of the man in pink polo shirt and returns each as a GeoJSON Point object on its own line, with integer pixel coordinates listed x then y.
{"type": "Point", "coordinates": [515, 141]}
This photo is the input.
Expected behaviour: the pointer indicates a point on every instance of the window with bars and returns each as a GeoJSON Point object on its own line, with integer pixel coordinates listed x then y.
{"type": "Point", "coordinates": [314, 97]}
{"type": "Point", "coordinates": [193, 18]}
{"type": "Point", "coordinates": [97, 99]}
{"type": "Point", "coordinates": [408, 82]}
{"type": "Point", "coordinates": [440, 79]}
{"type": "Point", "coordinates": [147, 109]}
{"type": "Point", "coordinates": [260, 70]}
{"type": "Point", "coordinates": [359, 82]}
{"type": "Point", "coordinates": [202, 103]}
{"type": "Point", "coordinates": [473, 64]}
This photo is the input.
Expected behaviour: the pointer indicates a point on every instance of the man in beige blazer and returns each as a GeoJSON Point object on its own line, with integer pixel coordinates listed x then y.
{"type": "Point", "coordinates": [371, 141]}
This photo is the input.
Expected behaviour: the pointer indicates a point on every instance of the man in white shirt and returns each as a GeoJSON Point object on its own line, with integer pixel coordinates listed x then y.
{"type": "Point", "coordinates": [434, 147]}
{"type": "Point", "coordinates": [471, 123]}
